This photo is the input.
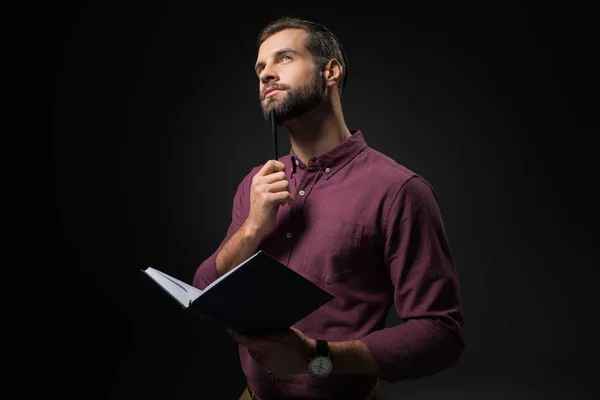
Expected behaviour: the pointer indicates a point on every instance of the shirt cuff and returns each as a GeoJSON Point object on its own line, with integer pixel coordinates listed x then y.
{"type": "Point", "coordinates": [392, 356]}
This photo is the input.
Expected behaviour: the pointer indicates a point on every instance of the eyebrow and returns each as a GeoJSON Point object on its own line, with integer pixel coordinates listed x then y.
{"type": "Point", "coordinates": [277, 54]}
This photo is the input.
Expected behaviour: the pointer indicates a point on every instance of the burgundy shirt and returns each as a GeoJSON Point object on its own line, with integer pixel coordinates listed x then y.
{"type": "Point", "coordinates": [369, 231]}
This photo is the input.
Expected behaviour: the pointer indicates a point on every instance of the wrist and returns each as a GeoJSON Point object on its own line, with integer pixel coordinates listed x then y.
{"type": "Point", "coordinates": [310, 347]}
{"type": "Point", "coordinates": [307, 350]}
{"type": "Point", "coordinates": [250, 233]}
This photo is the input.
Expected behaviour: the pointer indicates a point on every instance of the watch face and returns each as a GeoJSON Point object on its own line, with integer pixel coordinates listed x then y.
{"type": "Point", "coordinates": [320, 366]}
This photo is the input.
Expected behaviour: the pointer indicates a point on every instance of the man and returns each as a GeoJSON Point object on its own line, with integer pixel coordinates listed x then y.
{"type": "Point", "coordinates": [351, 220]}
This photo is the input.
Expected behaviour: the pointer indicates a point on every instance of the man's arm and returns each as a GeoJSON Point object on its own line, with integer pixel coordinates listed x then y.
{"type": "Point", "coordinates": [242, 244]}
{"type": "Point", "coordinates": [426, 293]}
{"type": "Point", "coordinates": [267, 190]}
{"type": "Point", "coordinates": [427, 297]}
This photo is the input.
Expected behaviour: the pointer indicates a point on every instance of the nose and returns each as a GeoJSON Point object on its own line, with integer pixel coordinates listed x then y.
{"type": "Point", "coordinates": [268, 74]}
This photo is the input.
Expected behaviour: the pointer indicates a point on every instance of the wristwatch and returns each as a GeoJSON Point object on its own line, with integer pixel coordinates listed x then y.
{"type": "Point", "coordinates": [320, 363]}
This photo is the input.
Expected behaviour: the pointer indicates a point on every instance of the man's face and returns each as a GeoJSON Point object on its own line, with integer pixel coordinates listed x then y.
{"type": "Point", "coordinates": [290, 83]}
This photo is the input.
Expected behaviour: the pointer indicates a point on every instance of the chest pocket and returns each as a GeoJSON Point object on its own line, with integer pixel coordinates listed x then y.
{"type": "Point", "coordinates": [330, 250]}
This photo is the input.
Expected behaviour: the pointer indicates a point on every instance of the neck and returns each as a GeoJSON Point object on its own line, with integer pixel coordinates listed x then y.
{"type": "Point", "coordinates": [318, 131]}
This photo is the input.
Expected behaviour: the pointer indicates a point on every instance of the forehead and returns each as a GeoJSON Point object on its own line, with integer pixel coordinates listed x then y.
{"type": "Point", "coordinates": [286, 39]}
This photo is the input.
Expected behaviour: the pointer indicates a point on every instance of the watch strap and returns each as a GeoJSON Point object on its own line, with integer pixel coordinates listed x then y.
{"type": "Point", "coordinates": [322, 348]}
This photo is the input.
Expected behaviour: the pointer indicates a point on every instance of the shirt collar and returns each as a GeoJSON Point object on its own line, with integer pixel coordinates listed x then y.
{"type": "Point", "coordinates": [335, 158]}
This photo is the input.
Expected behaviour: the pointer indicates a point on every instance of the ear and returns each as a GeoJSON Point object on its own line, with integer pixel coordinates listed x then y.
{"type": "Point", "coordinates": [333, 72]}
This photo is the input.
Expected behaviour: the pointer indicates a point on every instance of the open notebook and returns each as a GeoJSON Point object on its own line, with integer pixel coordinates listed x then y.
{"type": "Point", "coordinates": [259, 295]}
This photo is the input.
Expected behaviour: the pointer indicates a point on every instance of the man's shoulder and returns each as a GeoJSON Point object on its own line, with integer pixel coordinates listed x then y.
{"type": "Point", "coordinates": [393, 177]}
{"type": "Point", "coordinates": [387, 168]}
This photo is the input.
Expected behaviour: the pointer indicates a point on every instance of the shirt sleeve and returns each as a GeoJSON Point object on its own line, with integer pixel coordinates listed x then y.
{"type": "Point", "coordinates": [206, 272]}
{"type": "Point", "coordinates": [426, 289]}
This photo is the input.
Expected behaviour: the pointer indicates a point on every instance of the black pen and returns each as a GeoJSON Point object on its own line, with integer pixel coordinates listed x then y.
{"type": "Point", "coordinates": [274, 133]}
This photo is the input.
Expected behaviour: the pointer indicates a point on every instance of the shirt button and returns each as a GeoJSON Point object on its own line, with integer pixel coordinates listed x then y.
{"type": "Point", "coordinates": [288, 235]}
{"type": "Point", "coordinates": [327, 169]}
{"type": "Point", "coordinates": [301, 193]}
{"type": "Point", "coordinates": [296, 162]}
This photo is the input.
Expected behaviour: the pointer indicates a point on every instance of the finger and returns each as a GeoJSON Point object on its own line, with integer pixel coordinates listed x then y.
{"type": "Point", "coordinates": [270, 167]}
{"type": "Point", "coordinates": [273, 177]}
{"type": "Point", "coordinates": [295, 330]}
{"type": "Point", "coordinates": [278, 166]}
{"type": "Point", "coordinates": [279, 186]}
{"type": "Point", "coordinates": [266, 169]}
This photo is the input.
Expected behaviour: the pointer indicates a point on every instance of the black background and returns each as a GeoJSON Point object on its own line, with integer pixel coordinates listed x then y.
{"type": "Point", "coordinates": [155, 119]}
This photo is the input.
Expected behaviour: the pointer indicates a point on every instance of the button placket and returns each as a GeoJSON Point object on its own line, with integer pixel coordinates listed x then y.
{"type": "Point", "coordinates": [309, 183]}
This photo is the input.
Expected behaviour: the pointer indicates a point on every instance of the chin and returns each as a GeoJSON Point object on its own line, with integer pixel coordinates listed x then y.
{"type": "Point", "coordinates": [267, 105]}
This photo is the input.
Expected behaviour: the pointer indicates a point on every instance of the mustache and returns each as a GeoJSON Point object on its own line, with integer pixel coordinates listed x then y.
{"type": "Point", "coordinates": [274, 87]}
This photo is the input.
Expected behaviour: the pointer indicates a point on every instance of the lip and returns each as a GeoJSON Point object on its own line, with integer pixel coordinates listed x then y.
{"type": "Point", "coordinates": [272, 91]}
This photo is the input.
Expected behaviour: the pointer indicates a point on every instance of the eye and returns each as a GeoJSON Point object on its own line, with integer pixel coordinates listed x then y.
{"type": "Point", "coordinates": [286, 57]}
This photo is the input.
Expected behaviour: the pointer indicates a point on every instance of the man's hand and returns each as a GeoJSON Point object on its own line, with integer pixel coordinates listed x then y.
{"type": "Point", "coordinates": [283, 353]}
{"type": "Point", "coordinates": [270, 189]}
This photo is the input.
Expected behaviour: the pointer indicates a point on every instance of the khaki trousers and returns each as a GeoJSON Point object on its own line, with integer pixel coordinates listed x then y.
{"type": "Point", "coordinates": [376, 393]}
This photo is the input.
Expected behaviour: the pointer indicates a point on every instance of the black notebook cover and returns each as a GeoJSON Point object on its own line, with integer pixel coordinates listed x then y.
{"type": "Point", "coordinates": [259, 296]}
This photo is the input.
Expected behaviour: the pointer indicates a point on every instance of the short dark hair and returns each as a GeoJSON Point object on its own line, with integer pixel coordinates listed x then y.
{"type": "Point", "coordinates": [321, 42]}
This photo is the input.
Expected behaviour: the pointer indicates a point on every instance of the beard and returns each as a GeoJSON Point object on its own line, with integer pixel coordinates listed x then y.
{"type": "Point", "coordinates": [298, 101]}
